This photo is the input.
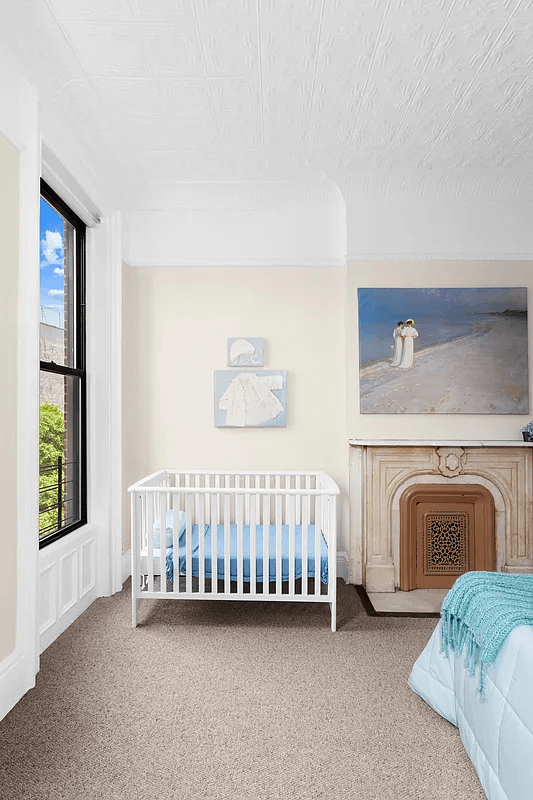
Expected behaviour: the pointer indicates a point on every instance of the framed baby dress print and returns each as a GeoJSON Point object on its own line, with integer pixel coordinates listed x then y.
{"type": "Point", "coordinates": [250, 399]}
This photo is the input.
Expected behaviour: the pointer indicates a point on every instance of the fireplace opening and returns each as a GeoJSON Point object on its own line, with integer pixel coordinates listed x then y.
{"type": "Point", "coordinates": [445, 530]}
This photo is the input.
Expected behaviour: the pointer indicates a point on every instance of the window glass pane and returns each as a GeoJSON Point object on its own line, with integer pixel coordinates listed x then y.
{"type": "Point", "coordinates": [59, 452]}
{"type": "Point", "coordinates": [57, 262]}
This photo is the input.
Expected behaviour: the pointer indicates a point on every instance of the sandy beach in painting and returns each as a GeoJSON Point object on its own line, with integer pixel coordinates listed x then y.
{"type": "Point", "coordinates": [484, 372]}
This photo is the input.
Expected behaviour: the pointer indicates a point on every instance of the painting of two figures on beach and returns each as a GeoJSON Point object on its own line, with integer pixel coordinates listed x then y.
{"type": "Point", "coordinates": [443, 351]}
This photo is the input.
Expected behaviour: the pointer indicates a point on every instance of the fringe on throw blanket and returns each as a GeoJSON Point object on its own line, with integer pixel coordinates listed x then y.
{"type": "Point", "coordinates": [479, 612]}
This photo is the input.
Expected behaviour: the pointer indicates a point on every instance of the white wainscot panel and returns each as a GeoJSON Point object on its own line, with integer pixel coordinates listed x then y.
{"type": "Point", "coordinates": [67, 583]}
{"type": "Point", "coordinates": [47, 598]}
{"type": "Point", "coordinates": [68, 580]}
{"type": "Point", "coordinates": [87, 566]}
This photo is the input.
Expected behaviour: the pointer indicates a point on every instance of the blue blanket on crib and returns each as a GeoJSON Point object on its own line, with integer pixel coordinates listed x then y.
{"type": "Point", "coordinates": [246, 553]}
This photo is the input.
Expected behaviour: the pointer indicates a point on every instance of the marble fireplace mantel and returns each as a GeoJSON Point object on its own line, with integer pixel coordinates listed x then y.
{"type": "Point", "coordinates": [382, 469]}
{"type": "Point", "coordinates": [438, 443]}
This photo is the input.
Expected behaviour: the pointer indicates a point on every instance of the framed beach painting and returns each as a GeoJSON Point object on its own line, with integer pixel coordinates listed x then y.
{"type": "Point", "coordinates": [443, 351]}
{"type": "Point", "coordinates": [250, 399]}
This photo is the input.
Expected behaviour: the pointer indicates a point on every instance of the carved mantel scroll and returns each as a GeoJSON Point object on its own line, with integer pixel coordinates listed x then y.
{"type": "Point", "coordinates": [452, 461]}
{"type": "Point", "coordinates": [381, 473]}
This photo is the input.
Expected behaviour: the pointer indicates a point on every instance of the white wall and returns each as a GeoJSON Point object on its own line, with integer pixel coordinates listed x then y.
{"type": "Point", "coordinates": [18, 124]}
{"type": "Point", "coordinates": [9, 236]}
{"type": "Point", "coordinates": [25, 118]}
{"type": "Point", "coordinates": [176, 325]}
{"type": "Point", "coordinates": [422, 274]}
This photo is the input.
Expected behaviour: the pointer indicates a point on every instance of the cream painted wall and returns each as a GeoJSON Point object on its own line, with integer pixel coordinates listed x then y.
{"type": "Point", "coordinates": [422, 274]}
{"type": "Point", "coordinates": [176, 322]}
{"type": "Point", "coordinates": [9, 232]}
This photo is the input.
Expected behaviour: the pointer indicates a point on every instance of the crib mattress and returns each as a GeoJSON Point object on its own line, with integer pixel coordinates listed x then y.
{"type": "Point", "coordinates": [219, 534]}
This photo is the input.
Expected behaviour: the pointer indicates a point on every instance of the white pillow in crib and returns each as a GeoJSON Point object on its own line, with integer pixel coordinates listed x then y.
{"type": "Point", "coordinates": [169, 528]}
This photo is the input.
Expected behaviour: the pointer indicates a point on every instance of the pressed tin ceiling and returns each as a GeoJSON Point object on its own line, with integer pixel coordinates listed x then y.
{"type": "Point", "coordinates": [240, 90]}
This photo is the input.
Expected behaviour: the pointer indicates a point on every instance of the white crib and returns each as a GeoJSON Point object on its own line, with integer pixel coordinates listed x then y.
{"type": "Point", "coordinates": [251, 525]}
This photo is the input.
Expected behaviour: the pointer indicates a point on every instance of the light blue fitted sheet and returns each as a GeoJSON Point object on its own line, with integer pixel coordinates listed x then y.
{"type": "Point", "coordinates": [246, 553]}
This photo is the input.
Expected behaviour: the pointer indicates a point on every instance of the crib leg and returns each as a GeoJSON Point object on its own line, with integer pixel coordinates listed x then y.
{"type": "Point", "coordinates": [333, 608]}
{"type": "Point", "coordinates": [135, 606]}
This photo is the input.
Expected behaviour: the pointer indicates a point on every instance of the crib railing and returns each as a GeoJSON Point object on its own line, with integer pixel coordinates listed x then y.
{"type": "Point", "coordinates": [222, 499]}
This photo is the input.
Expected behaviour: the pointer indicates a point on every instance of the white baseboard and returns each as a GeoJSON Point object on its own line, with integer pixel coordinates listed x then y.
{"type": "Point", "coordinates": [13, 681]}
{"type": "Point", "coordinates": [126, 566]}
{"type": "Point", "coordinates": [343, 566]}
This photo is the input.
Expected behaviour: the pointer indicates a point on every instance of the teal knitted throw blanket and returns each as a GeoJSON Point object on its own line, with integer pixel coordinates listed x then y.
{"type": "Point", "coordinates": [480, 611]}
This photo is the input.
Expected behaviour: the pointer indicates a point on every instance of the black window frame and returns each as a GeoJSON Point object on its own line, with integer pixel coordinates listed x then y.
{"type": "Point", "coordinates": [79, 368]}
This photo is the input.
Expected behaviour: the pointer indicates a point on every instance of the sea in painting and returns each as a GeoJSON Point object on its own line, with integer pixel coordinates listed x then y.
{"type": "Point", "coordinates": [468, 352]}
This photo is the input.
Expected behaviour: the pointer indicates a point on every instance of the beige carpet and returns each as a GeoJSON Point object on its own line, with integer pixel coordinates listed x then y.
{"type": "Point", "coordinates": [225, 700]}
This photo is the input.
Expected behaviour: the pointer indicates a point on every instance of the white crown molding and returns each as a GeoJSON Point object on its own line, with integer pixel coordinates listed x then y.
{"type": "Point", "coordinates": [239, 196]}
{"type": "Point", "coordinates": [238, 262]}
{"type": "Point", "coordinates": [415, 256]}
{"type": "Point", "coordinates": [453, 184]}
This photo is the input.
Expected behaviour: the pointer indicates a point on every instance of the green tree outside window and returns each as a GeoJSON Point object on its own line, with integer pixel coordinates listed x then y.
{"type": "Point", "coordinates": [51, 448]}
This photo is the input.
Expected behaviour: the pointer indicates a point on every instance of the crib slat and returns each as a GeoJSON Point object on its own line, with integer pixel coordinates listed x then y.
{"type": "Point", "coordinates": [258, 499]}
{"type": "Point", "coordinates": [208, 500]}
{"type": "Point", "coordinates": [279, 519]}
{"type": "Point", "coordinates": [306, 519]}
{"type": "Point", "coordinates": [227, 551]}
{"type": "Point", "coordinates": [197, 497]}
{"type": "Point", "coordinates": [214, 543]}
{"type": "Point", "coordinates": [318, 528]}
{"type": "Point", "coordinates": [253, 544]}
{"type": "Point", "coordinates": [247, 500]}
{"type": "Point", "coordinates": [292, 534]}
{"type": "Point", "coordinates": [298, 486]}
{"type": "Point", "coordinates": [201, 542]}
{"type": "Point", "coordinates": [150, 540]}
{"type": "Point", "coordinates": [143, 533]}
{"type": "Point", "coordinates": [239, 514]}
{"type": "Point", "coordinates": [216, 520]}
{"type": "Point", "coordinates": [266, 538]}
{"type": "Point", "coordinates": [188, 530]}
{"type": "Point", "coordinates": [136, 538]}
{"type": "Point", "coordinates": [188, 541]}
{"type": "Point", "coordinates": [175, 542]}
{"type": "Point", "coordinates": [332, 559]}
{"type": "Point", "coordinates": [163, 542]}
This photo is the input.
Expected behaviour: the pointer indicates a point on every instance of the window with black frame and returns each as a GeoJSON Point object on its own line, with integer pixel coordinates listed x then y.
{"type": "Point", "coordinates": [62, 389]}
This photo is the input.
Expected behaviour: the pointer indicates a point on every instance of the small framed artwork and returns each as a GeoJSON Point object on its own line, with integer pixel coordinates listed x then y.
{"type": "Point", "coordinates": [250, 399]}
{"type": "Point", "coordinates": [246, 352]}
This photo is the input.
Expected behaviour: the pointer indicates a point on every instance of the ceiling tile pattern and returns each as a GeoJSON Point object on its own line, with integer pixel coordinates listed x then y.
{"type": "Point", "coordinates": [232, 90]}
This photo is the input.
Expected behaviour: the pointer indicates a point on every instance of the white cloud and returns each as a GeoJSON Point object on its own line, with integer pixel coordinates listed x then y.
{"type": "Point", "coordinates": [51, 248]}
{"type": "Point", "coordinates": [59, 271]}
{"type": "Point", "coordinates": [55, 292]}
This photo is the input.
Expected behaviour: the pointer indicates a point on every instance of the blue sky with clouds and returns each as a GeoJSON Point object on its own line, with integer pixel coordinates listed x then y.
{"type": "Point", "coordinates": [52, 237]}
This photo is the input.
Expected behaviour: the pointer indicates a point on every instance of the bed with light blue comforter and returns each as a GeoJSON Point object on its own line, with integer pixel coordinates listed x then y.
{"type": "Point", "coordinates": [497, 732]}
{"type": "Point", "coordinates": [220, 548]}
